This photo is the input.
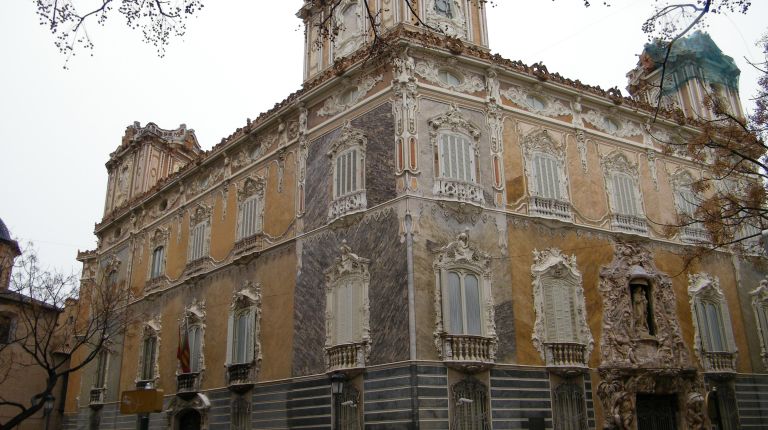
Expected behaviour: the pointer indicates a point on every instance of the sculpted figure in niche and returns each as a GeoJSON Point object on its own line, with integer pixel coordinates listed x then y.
{"type": "Point", "coordinates": [641, 308]}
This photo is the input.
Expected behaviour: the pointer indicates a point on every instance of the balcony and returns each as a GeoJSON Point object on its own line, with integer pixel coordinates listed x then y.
{"type": "Point", "coordinates": [467, 352]}
{"type": "Point", "coordinates": [96, 397]}
{"type": "Point", "coordinates": [694, 233]}
{"type": "Point", "coordinates": [565, 357]}
{"type": "Point", "coordinates": [550, 208]}
{"type": "Point", "coordinates": [187, 383]}
{"type": "Point", "coordinates": [347, 204]}
{"type": "Point", "coordinates": [249, 243]}
{"type": "Point", "coordinates": [348, 356]}
{"type": "Point", "coordinates": [460, 191]}
{"type": "Point", "coordinates": [241, 376]}
{"type": "Point", "coordinates": [719, 362]}
{"type": "Point", "coordinates": [629, 224]}
{"type": "Point", "coordinates": [154, 283]}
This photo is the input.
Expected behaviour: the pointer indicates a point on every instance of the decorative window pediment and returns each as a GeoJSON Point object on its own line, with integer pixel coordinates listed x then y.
{"type": "Point", "coordinates": [447, 75]}
{"type": "Point", "coordinates": [536, 102]}
{"type": "Point", "coordinates": [347, 312]}
{"type": "Point", "coordinates": [243, 336]}
{"type": "Point", "coordinates": [547, 180]}
{"type": "Point", "coordinates": [561, 333]}
{"type": "Point", "coordinates": [448, 16]}
{"type": "Point", "coordinates": [250, 201]}
{"type": "Point", "coordinates": [455, 143]}
{"type": "Point", "coordinates": [622, 181]}
{"type": "Point", "coordinates": [148, 371]}
{"type": "Point", "coordinates": [347, 154]}
{"type": "Point", "coordinates": [465, 327]}
{"type": "Point", "coordinates": [714, 341]}
{"type": "Point", "coordinates": [760, 306]}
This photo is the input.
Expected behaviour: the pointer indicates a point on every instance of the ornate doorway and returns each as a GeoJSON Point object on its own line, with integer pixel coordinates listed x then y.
{"type": "Point", "coordinates": [189, 419]}
{"type": "Point", "coordinates": [656, 412]}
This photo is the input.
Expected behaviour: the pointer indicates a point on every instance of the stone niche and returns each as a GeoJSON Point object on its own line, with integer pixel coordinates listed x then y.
{"type": "Point", "coordinates": [643, 353]}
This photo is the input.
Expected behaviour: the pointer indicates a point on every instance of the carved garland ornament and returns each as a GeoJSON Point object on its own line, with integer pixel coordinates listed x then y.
{"type": "Point", "coordinates": [549, 266]}
{"type": "Point", "coordinates": [760, 306]}
{"type": "Point", "coordinates": [456, 255]}
{"type": "Point", "coordinates": [625, 128]}
{"type": "Point", "coordinates": [552, 107]}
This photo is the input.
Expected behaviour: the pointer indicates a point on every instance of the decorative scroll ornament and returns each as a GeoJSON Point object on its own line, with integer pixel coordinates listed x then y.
{"type": "Point", "coordinates": [453, 120]}
{"type": "Point", "coordinates": [459, 254]}
{"type": "Point", "coordinates": [348, 96]}
{"type": "Point", "coordinates": [449, 17]}
{"type": "Point", "coordinates": [467, 82]}
{"type": "Point", "coordinates": [552, 268]}
{"type": "Point", "coordinates": [622, 128]}
{"type": "Point", "coordinates": [251, 186]}
{"type": "Point", "coordinates": [547, 106]}
{"type": "Point", "coordinates": [404, 108]}
{"type": "Point", "coordinates": [159, 238]}
{"type": "Point", "coordinates": [352, 34]}
{"type": "Point", "coordinates": [200, 213]}
{"type": "Point", "coordinates": [760, 306]}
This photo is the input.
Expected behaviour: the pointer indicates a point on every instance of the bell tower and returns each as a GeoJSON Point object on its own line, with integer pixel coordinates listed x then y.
{"type": "Point", "coordinates": [695, 68]}
{"type": "Point", "coordinates": [335, 29]}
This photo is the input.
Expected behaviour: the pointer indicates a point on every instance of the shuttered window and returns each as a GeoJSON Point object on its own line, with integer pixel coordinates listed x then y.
{"type": "Point", "coordinates": [559, 311]}
{"type": "Point", "coordinates": [547, 176]}
{"type": "Point", "coordinates": [348, 176]}
{"type": "Point", "coordinates": [158, 262]}
{"type": "Point", "coordinates": [197, 241]}
{"type": "Point", "coordinates": [347, 311]}
{"type": "Point", "coordinates": [713, 322]}
{"type": "Point", "coordinates": [195, 347]}
{"type": "Point", "coordinates": [625, 195]}
{"type": "Point", "coordinates": [457, 158]}
{"type": "Point", "coordinates": [101, 369]}
{"type": "Point", "coordinates": [241, 346]}
{"type": "Point", "coordinates": [463, 303]}
{"type": "Point", "coordinates": [250, 217]}
{"type": "Point", "coordinates": [148, 358]}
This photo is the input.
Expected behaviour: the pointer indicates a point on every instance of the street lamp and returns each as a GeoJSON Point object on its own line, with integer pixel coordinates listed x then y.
{"type": "Point", "coordinates": [337, 383]}
{"type": "Point", "coordinates": [49, 401]}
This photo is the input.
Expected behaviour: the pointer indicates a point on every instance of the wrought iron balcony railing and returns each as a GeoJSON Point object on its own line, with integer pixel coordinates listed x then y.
{"type": "Point", "coordinates": [241, 374]}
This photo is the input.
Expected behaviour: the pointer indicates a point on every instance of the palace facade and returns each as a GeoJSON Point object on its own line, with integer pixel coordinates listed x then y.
{"type": "Point", "coordinates": [433, 238]}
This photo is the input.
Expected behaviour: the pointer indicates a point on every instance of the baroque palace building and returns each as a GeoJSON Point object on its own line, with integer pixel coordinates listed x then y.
{"type": "Point", "coordinates": [434, 238]}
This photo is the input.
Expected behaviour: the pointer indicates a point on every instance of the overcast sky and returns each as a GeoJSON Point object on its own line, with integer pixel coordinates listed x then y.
{"type": "Point", "coordinates": [239, 58]}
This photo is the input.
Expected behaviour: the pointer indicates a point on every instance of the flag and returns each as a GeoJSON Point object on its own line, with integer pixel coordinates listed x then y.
{"type": "Point", "coordinates": [182, 353]}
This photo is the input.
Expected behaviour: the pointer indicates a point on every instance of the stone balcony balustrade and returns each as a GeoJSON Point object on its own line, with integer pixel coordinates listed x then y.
{"type": "Point", "coordinates": [550, 208]}
{"type": "Point", "coordinates": [347, 204]}
{"type": "Point", "coordinates": [468, 352]}
{"type": "Point", "coordinates": [719, 362]}
{"type": "Point", "coordinates": [188, 383]}
{"type": "Point", "coordinates": [241, 376]}
{"type": "Point", "coordinates": [629, 224]}
{"type": "Point", "coordinates": [565, 357]}
{"type": "Point", "coordinates": [348, 356]}
{"type": "Point", "coordinates": [461, 191]}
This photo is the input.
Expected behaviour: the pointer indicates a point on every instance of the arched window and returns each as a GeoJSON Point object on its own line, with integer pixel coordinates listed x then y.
{"type": "Point", "coordinates": [470, 405]}
{"type": "Point", "coordinates": [449, 78]}
{"type": "Point", "coordinates": [158, 262]}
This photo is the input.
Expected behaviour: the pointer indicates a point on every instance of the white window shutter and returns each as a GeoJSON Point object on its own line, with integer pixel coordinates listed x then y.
{"type": "Point", "coordinates": [472, 305]}
{"type": "Point", "coordinates": [249, 335]}
{"type": "Point", "coordinates": [456, 317]}
{"type": "Point", "coordinates": [727, 327]}
{"type": "Point", "coordinates": [230, 338]}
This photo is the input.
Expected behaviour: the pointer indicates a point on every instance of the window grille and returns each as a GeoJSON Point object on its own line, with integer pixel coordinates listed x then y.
{"type": "Point", "coordinates": [457, 158]}
{"type": "Point", "coordinates": [470, 409]}
{"type": "Point", "coordinates": [569, 407]}
{"type": "Point", "coordinates": [347, 409]}
{"type": "Point", "coordinates": [241, 413]}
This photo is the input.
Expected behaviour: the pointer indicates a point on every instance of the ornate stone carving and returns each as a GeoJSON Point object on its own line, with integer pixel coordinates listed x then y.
{"type": "Point", "coordinates": [552, 269]}
{"type": "Point", "coordinates": [352, 37]}
{"type": "Point", "coordinates": [451, 22]}
{"type": "Point", "coordinates": [651, 154]}
{"type": "Point", "coordinates": [760, 306]}
{"type": "Point", "coordinates": [581, 146]}
{"type": "Point", "coordinates": [468, 82]}
{"type": "Point", "coordinates": [201, 213]}
{"type": "Point", "coordinates": [460, 255]}
{"type": "Point", "coordinates": [348, 96]}
{"type": "Point", "coordinates": [352, 271]}
{"type": "Point", "coordinates": [354, 201]}
{"type": "Point", "coordinates": [404, 108]}
{"type": "Point", "coordinates": [199, 402]}
{"type": "Point", "coordinates": [495, 119]}
{"type": "Point", "coordinates": [251, 186]}
{"type": "Point", "coordinates": [524, 98]}
{"type": "Point", "coordinates": [623, 128]}
{"type": "Point", "coordinates": [624, 345]}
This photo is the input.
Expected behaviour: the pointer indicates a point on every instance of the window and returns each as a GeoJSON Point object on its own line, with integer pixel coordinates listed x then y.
{"type": "Point", "coordinates": [243, 328]}
{"type": "Point", "coordinates": [449, 78]}
{"type": "Point", "coordinates": [250, 208]}
{"type": "Point", "coordinates": [349, 22]}
{"type": "Point", "coordinates": [349, 96]}
{"type": "Point", "coordinates": [535, 103]}
{"type": "Point", "coordinates": [622, 183]}
{"type": "Point", "coordinates": [547, 176]}
{"type": "Point", "coordinates": [569, 407]}
{"type": "Point", "coordinates": [444, 8]}
{"type": "Point", "coordinates": [158, 262]}
{"type": "Point", "coordinates": [149, 356]}
{"type": "Point", "coordinates": [625, 195]}
{"type": "Point", "coordinates": [347, 312]}
{"type": "Point", "coordinates": [466, 330]}
{"type": "Point", "coordinates": [560, 333]}
{"type": "Point", "coordinates": [470, 405]}
{"type": "Point", "coordinates": [7, 328]}
{"type": "Point", "coordinates": [457, 158]}
{"type": "Point", "coordinates": [195, 334]}
{"type": "Point", "coordinates": [760, 306]}
{"type": "Point", "coordinates": [687, 202]}
{"type": "Point", "coordinates": [242, 337]}
{"type": "Point", "coordinates": [714, 336]}
{"type": "Point", "coordinates": [348, 165]}
{"type": "Point", "coordinates": [346, 409]}
{"type": "Point", "coordinates": [545, 169]}
{"type": "Point", "coordinates": [199, 237]}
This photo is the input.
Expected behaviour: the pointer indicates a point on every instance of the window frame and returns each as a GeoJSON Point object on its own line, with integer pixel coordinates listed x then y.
{"type": "Point", "coordinates": [706, 296]}
{"type": "Point", "coordinates": [246, 304]}
{"type": "Point", "coordinates": [102, 368]}
{"type": "Point", "coordinates": [11, 322]}
{"type": "Point", "coordinates": [467, 148]}
{"type": "Point", "coordinates": [760, 308]}
{"type": "Point", "coordinates": [251, 192]}
{"type": "Point", "coordinates": [157, 268]}
{"type": "Point", "coordinates": [470, 408]}
{"type": "Point", "coordinates": [617, 166]}
{"type": "Point", "coordinates": [350, 271]}
{"type": "Point", "coordinates": [148, 369]}
{"type": "Point", "coordinates": [199, 221]}
{"type": "Point", "coordinates": [352, 143]}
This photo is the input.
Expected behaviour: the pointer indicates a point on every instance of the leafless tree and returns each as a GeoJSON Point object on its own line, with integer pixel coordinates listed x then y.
{"type": "Point", "coordinates": [57, 332]}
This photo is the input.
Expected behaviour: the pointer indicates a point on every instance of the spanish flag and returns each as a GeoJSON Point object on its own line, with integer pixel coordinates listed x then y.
{"type": "Point", "coordinates": [182, 353]}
